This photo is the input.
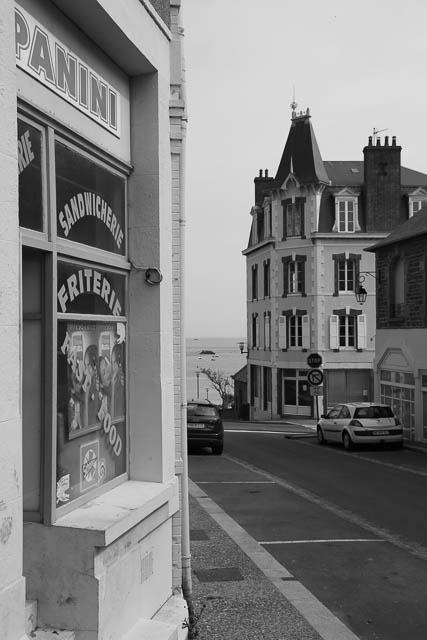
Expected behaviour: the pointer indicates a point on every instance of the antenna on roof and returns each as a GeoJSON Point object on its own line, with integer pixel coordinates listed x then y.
{"type": "Point", "coordinates": [293, 104]}
{"type": "Point", "coordinates": [375, 132]}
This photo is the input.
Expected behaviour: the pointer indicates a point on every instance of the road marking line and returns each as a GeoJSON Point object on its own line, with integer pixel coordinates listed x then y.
{"type": "Point", "coordinates": [236, 482]}
{"type": "Point", "coordinates": [258, 432]}
{"type": "Point", "coordinates": [412, 547]}
{"type": "Point", "coordinates": [327, 625]}
{"type": "Point", "coordinates": [321, 541]}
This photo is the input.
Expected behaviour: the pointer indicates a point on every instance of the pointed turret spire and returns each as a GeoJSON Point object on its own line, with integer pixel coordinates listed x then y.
{"type": "Point", "coordinates": [301, 155]}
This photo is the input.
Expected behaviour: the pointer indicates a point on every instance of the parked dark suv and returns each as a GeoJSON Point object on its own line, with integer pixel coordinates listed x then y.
{"type": "Point", "coordinates": [204, 426]}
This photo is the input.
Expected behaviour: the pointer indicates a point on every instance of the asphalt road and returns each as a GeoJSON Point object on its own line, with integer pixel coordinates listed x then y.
{"type": "Point", "coordinates": [351, 527]}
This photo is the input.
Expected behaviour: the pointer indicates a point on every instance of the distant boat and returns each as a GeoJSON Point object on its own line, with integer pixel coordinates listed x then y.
{"type": "Point", "coordinates": [207, 352]}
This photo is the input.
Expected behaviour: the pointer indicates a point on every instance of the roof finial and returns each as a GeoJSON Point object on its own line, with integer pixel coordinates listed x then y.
{"type": "Point", "coordinates": [293, 104]}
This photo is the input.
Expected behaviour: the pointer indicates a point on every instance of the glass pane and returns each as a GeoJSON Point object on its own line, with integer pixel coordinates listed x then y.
{"type": "Point", "coordinates": [290, 392]}
{"type": "Point", "coordinates": [90, 202]}
{"type": "Point", "coordinates": [30, 176]}
{"type": "Point", "coordinates": [91, 442]}
{"type": "Point", "coordinates": [304, 397]}
{"type": "Point", "coordinates": [86, 290]}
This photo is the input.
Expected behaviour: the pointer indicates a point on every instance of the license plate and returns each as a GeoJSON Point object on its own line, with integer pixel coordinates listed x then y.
{"type": "Point", "coordinates": [196, 425]}
{"type": "Point", "coordinates": [381, 433]}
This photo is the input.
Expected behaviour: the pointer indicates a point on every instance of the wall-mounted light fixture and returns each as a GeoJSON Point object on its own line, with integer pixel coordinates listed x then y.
{"type": "Point", "coordinates": [360, 292]}
{"type": "Point", "coordinates": [242, 348]}
{"type": "Point", "coordinates": [153, 275]}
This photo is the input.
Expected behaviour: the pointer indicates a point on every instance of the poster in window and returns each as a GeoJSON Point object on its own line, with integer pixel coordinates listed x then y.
{"type": "Point", "coordinates": [30, 176]}
{"type": "Point", "coordinates": [91, 440]}
{"type": "Point", "coordinates": [90, 202]}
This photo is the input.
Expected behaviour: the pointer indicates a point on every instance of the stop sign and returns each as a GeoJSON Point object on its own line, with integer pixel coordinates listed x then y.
{"type": "Point", "coordinates": [314, 360]}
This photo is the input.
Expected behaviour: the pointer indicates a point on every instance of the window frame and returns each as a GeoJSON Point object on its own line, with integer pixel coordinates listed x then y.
{"type": "Point", "coordinates": [293, 212]}
{"type": "Point", "coordinates": [343, 213]}
{"type": "Point", "coordinates": [52, 251]}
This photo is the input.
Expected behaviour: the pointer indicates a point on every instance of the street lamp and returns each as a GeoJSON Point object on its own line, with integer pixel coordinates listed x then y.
{"type": "Point", "coordinates": [360, 292]}
{"type": "Point", "coordinates": [242, 348]}
{"type": "Point", "coordinates": [198, 382]}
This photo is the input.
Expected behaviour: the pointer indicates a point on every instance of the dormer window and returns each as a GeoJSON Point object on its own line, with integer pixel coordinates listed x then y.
{"type": "Point", "coordinates": [416, 200]}
{"type": "Point", "coordinates": [346, 212]}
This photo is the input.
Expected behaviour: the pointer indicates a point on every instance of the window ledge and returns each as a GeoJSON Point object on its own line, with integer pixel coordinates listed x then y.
{"type": "Point", "coordinates": [110, 515]}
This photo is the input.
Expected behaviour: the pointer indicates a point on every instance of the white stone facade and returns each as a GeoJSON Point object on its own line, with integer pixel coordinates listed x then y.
{"type": "Point", "coordinates": [108, 566]}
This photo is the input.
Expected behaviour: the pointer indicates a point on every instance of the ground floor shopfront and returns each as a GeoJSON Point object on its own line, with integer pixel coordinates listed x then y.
{"type": "Point", "coordinates": [283, 391]}
{"type": "Point", "coordinates": [401, 378]}
{"type": "Point", "coordinates": [91, 465]}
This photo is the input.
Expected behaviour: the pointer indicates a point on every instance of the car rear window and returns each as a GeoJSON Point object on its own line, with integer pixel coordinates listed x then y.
{"type": "Point", "coordinates": [374, 412]}
{"type": "Point", "coordinates": [200, 410]}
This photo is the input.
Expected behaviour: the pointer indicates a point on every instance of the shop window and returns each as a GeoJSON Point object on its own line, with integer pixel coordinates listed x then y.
{"type": "Point", "coordinates": [85, 414]}
{"type": "Point", "coordinates": [397, 390]}
{"type": "Point", "coordinates": [91, 389]}
{"type": "Point", "coordinates": [31, 159]}
{"type": "Point", "coordinates": [90, 201]}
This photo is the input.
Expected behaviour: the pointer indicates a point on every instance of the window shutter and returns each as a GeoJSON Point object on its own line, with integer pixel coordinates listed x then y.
{"type": "Point", "coordinates": [361, 332]}
{"type": "Point", "coordinates": [333, 332]}
{"type": "Point", "coordinates": [285, 277]}
{"type": "Point", "coordinates": [257, 331]}
{"type": "Point", "coordinates": [306, 332]}
{"type": "Point", "coordinates": [282, 333]}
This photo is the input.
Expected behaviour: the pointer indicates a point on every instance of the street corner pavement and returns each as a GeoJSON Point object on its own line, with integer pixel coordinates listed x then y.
{"type": "Point", "coordinates": [232, 597]}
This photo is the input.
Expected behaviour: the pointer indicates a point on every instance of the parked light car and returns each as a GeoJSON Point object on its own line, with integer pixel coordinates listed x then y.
{"type": "Point", "coordinates": [360, 422]}
{"type": "Point", "coordinates": [204, 426]}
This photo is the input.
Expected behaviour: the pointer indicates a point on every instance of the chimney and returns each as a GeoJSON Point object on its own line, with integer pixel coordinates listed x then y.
{"type": "Point", "coordinates": [383, 194]}
{"type": "Point", "coordinates": [263, 184]}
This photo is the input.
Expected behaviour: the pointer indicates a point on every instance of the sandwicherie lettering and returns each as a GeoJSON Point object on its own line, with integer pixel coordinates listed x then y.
{"type": "Point", "coordinates": [90, 204]}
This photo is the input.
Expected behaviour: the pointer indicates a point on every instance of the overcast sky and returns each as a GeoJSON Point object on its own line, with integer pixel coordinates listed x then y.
{"type": "Point", "coordinates": [356, 64]}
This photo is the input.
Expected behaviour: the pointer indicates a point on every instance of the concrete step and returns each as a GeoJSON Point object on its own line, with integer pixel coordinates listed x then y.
{"type": "Point", "coordinates": [51, 634]}
{"type": "Point", "coordinates": [167, 624]}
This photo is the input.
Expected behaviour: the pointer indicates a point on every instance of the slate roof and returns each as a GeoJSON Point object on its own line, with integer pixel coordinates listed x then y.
{"type": "Point", "coordinates": [415, 226]}
{"type": "Point", "coordinates": [351, 173]}
{"type": "Point", "coordinates": [301, 155]}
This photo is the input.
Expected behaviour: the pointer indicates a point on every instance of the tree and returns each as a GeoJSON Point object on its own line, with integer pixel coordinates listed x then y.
{"type": "Point", "coordinates": [221, 383]}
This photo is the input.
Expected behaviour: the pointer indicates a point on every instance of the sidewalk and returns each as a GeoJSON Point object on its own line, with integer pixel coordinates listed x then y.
{"type": "Point", "coordinates": [240, 592]}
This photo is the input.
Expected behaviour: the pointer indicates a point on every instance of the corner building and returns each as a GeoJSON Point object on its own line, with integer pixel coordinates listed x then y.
{"type": "Point", "coordinates": [90, 319]}
{"type": "Point", "coordinates": [305, 258]}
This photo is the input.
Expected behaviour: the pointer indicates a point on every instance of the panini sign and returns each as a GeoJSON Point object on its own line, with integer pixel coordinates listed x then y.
{"type": "Point", "coordinates": [45, 58]}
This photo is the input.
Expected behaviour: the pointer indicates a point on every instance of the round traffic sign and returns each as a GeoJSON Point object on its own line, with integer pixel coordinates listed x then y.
{"type": "Point", "coordinates": [314, 360]}
{"type": "Point", "coordinates": [315, 377]}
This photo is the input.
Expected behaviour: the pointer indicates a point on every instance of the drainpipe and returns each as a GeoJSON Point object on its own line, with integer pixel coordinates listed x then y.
{"type": "Point", "coordinates": [185, 519]}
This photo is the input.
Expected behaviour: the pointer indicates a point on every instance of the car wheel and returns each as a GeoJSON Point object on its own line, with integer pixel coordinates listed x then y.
{"type": "Point", "coordinates": [217, 449]}
{"type": "Point", "coordinates": [347, 441]}
{"type": "Point", "coordinates": [320, 437]}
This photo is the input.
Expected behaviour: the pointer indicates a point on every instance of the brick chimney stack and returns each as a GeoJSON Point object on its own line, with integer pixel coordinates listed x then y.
{"type": "Point", "coordinates": [263, 183]}
{"type": "Point", "coordinates": [383, 194]}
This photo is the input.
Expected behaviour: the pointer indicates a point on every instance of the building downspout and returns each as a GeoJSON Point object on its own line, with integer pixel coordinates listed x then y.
{"type": "Point", "coordinates": [187, 588]}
